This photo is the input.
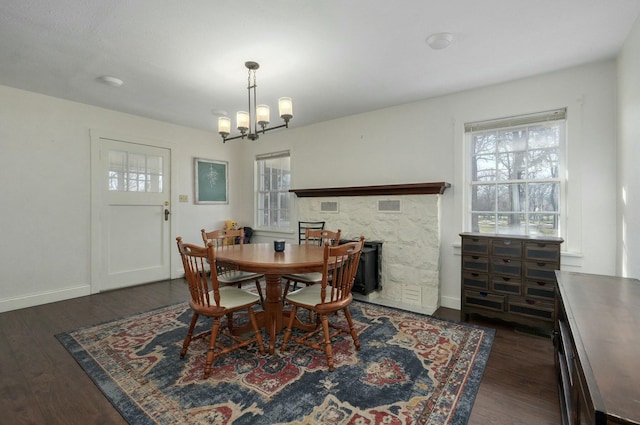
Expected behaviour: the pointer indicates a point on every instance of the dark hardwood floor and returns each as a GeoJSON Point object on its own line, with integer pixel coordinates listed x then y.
{"type": "Point", "coordinates": [42, 384]}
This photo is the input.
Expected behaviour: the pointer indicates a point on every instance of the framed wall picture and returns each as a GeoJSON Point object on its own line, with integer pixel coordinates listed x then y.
{"type": "Point", "coordinates": [211, 181]}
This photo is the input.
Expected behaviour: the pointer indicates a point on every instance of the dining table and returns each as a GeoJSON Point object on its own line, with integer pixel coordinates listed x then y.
{"type": "Point", "coordinates": [264, 259]}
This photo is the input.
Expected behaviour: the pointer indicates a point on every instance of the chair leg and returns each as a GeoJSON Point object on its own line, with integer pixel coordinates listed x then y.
{"type": "Point", "coordinates": [230, 322]}
{"type": "Point", "coordinates": [286, 291]}
{"type": "Point", "coordinates": [254, 324]}
{"type": "Point", "coordinates": [287, 334]}
{"type": "Point", "coordinates": [211, 354]}
{"type": "Point", "coordinates": [352, 328]}
{"type": "Point", "coordinates": [187, 339]}
{"type": "Point", "coordinates": [259, 288]}
{"type": "Point", "coordinates": [327, 341]}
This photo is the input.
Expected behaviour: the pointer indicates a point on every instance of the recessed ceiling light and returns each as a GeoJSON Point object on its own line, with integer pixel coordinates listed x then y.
{"type": "Point", "coordinates": [110, 81]}
{"type": "Point", "coordinates": [440, 40]}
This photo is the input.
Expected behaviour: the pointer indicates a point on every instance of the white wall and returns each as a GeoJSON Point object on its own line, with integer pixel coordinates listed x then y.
{"type": "Point", "coordinates": [628, 187]}
{"type": "Point", "coordinates": [45, 194]}
{"type": "Point", "coordinates": [45, 171]}
{"type": "Point", "coordinates": [423, 142]}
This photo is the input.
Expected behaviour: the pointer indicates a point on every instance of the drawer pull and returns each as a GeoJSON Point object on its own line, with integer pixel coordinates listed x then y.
{"type": "Point", "coordinates": [507, 242]}
{"type": "Point", "coordinates": [541, 264]}
{"type": "Point", "coordinates": [506, 260]}
{"type": "Point", "coordinates": [531, 302]}
{"type": "Point", "coordinates": [541, 283]}
{"type": "Point", "coordinates": [483, 294]}
{"type": "Point", "coordinates": [506, 279]}
{"type": "Point", "coordinates": [476, 275]}
{"type": "Point", "coordinates": [475, 257]}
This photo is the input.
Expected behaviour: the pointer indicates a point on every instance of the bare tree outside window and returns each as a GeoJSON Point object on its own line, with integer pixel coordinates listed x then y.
{"type": "Point", "coordinates": [515, 177]}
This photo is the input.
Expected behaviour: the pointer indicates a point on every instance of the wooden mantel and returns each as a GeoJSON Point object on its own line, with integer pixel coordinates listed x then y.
{"type": "Point", "coordinates": [436, 188]}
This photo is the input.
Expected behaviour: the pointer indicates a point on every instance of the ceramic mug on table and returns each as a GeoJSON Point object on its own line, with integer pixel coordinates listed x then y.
{"type": "Point", "coordinates": [278, 245]}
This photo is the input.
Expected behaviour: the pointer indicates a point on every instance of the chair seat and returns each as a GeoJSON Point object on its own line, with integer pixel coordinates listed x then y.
{"type": "Point", "coordinates": [235, 276]}
{"type": "Point", "coordinates": [232, 298]}
{"type": "Point", "coordinates": [307, 296]}
{"type": "Point", "coordinates": [304, 277]}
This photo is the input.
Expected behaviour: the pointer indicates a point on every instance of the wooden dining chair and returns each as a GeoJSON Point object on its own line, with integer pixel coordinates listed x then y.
{"type": "Point", "coordinates": [332, 295]}
{"type": "Point", "coordinates": [312, 237]}
{"type": "Point", "coordinates": [210, 300]}
{"type": "Point", "coordinates": [230, 275]}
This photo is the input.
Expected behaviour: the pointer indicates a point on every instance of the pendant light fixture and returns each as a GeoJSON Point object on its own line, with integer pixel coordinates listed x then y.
{"type": "Point", "coordinates": [256, 119]}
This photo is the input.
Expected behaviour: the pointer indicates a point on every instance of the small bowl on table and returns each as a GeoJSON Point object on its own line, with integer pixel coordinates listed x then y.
{"type": "Point", "coordinates": [278, 246]}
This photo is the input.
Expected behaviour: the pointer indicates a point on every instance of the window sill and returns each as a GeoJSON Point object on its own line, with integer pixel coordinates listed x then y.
{"type": "Point", "coordinates": [272, 231]}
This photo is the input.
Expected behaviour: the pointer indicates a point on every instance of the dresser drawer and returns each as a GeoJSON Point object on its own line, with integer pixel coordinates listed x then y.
{"type": "Point", "coordinates": [484, 300]}
{"type": "Point", "coordinates": [506, 267]}
{"type": "Point", "coordinates": [475, 263]}
{"type": "Point", "coordinates": [542, 251]}
{"type": "Point", "coordinates": [478, 281]}
{"type": "Point", "coordinates": [531, 307]}
{"type": "Point", "coordinates": [506, 248]}
{"type": "Point", "coordinates": [540, 289]}
{"type": "Point", "coordinates": [540, 270]}
{"type": "Point", "coordinates": [471, 245]}
{"type": "Point", "coordinates": [506, 285]}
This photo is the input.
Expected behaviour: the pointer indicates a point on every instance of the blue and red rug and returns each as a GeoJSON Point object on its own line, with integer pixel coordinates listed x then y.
{"type": "Point", "coordinates": [411, 369]}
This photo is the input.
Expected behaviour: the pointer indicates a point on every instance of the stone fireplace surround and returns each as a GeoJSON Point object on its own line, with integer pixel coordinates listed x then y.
{"type": "Point", "coordinates": [410, 270]}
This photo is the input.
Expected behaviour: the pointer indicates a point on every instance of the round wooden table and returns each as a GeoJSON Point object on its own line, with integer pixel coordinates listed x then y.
{"type": "Point", "coordinates": [262, 258]}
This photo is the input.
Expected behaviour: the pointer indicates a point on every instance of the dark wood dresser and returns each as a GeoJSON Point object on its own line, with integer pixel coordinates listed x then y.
{"type": "Point", "coordinates": [510, 278]}
{"type": "Point", "coordinates": [597, 348]}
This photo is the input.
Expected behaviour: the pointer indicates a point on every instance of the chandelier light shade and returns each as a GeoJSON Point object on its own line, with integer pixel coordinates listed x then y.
{"type": "Point", "coordinates": [257, 119]}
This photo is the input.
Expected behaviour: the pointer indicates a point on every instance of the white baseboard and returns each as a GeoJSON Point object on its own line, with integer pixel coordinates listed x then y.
{"type": "Point", "coordinates": [31, 300]}
{"type": "Point", "coordinates": [450, 302]}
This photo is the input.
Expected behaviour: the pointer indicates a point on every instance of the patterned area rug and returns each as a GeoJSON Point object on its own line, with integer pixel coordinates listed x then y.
{"type": "Point", "coordinates": [411, 369]}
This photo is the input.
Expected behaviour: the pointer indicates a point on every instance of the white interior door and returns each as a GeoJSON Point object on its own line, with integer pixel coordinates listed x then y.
{"type": "Point", "coordinates": [132, 245]}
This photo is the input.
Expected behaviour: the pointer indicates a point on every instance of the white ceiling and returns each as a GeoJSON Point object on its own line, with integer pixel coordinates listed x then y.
{"type": "Point", "coordinates": [183, 60]}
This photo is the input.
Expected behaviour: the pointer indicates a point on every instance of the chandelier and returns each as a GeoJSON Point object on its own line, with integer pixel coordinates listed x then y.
{"type": "Point", "coordinates": [256, 120]}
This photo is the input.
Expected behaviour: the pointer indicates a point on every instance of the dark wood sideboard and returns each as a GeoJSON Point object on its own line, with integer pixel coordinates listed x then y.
{"type": "Point", "coordinates": [510, 277]}
{"type": "Point", "coordinates": [597, 348]}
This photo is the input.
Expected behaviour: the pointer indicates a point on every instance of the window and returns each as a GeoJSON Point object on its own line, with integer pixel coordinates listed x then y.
{"type": "Point", "coordinates": [273, 181]}
{"type": "Point", "coordinates": [516, 180]}
{"type": "Point", "coordinates": [135, 172]}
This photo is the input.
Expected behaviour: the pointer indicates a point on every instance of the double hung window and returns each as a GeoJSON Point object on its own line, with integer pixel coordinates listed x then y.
{"type": "Point", "coordinates": [516, 178]}
{"type": "Point", "coordinates": [273, 181]}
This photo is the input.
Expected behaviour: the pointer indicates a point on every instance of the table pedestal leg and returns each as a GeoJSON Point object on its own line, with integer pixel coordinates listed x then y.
{"type": "Point", "coordinates": [273, 309]}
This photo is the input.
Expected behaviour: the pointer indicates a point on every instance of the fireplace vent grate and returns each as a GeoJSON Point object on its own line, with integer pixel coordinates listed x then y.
{"type": "Point", "coordinates": [411, 294]}
{"type": "Point", "coordinates": [389, 205]}
{"type": "Point", "coordinates": [329, 206]}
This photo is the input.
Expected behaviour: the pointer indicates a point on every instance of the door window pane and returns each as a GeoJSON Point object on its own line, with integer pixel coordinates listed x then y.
{"type": "Point", "coordinates": [133, 172]}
